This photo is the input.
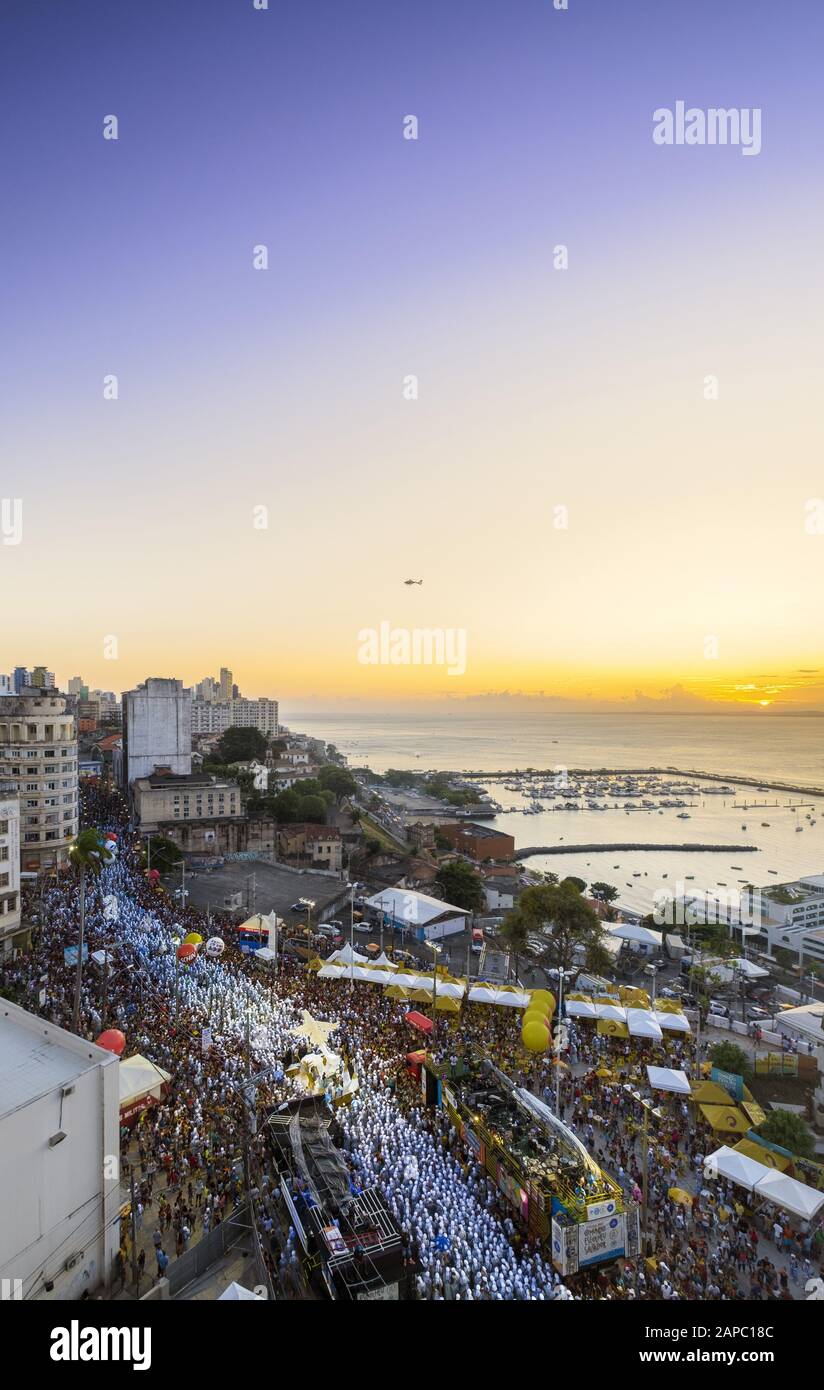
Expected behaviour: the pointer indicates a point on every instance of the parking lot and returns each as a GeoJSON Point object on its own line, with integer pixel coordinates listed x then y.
{"type": "Point", "coordinates": [264, 888]}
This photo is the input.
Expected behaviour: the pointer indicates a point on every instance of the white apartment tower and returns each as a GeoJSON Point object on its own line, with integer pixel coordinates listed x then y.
{"type": "Point", "coordinates": [10, 934]}
{"type": "Point", "coordinates": [38, 752]}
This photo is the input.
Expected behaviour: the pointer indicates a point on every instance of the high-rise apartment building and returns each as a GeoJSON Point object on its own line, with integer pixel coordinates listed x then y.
{"type": "Point", "coordinates": [225, 683]}
{"type": "Point", "coordinates": [157, 729]}
{"type": "Point", "coordinates": [208, 718]}
{"type": "Point", "coordinates": [10, 933]}
{"type": "Point", "coordinates": [43, 679]}
{"type": "Point", "coordinates": [38, 752]}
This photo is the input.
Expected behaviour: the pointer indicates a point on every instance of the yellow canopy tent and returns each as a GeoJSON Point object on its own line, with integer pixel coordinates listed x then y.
{"type": "Point", "coordinates": [668, 1006]}
{"type": "Point", "coordinates": [768, 1157]}
{"type": "Point", "coordinates": [754, 1113]}
{"type": "Point", "coordinates": [581, 998]}
{"type": "Point", "coordinates": [633, 997]}
{"type": "Point", "coordinates": [612, 1028]}
{"type": "Point", "coordinates": [447, 1005]}
{"type": "Point", "coordinates": [396, 992]}
{"type": "Point", "coordinates": [710, 1093]}
{"type": "Point", "coordinates": [421, 996]}
{"type": "Point", "coordinates": [725, 1119]}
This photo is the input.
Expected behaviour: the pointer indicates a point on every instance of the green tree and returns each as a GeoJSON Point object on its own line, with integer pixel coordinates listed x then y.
{"type": "Point", "coordinates": [790, 1131]}
{"type": "Point", "coordinates": [162, 853]}
{"type": "Point", "coordinates": [339, 781]}
{"type": "Point", "coordinates": [461, 886]}
{"type": "Point", "coordinates": [598, 960]}
{"type": "Point", "coordinates": [312, 809]}
{"type": "Point", "coordinates": [514, 931]}
{"type": "Point", "coordinates": [241, 745]}
{"type": "Point", "coordinates": [560, 915]}
{"type": "Point", "coordinates": [603, 892]}
{"type": "Point", "coordinates": [727, 1057]}
{"type": "Point", "coordinates": [87, 854]}
{"type": "Point", "coordinates": [579, 884]}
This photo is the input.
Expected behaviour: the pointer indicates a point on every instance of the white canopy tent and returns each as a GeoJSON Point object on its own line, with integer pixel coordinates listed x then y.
{"type": "Point", "coordinates": [236, 1293]}
{"type": "Point", "coordinates": [643, 1024]}
{"type": "Point", "coordinates": [384, 961]}
{"type": "Point", "coordinates": [665, 1079]}
{"type": "Point", "coordinates": [672, 1022]}
{"type": "Point", "coordinates": [631, 931]}
{"type": "Point", "coordinates": [346, 956]}
{"type": "Point", "coordinates": [789, 1194]}
{"type": "Point", "coordinates": [581, 1008]}
{"type": "Point", "coordinates": [616, 1012]}
{"type": "Point", "coordinates": [139, 1077]}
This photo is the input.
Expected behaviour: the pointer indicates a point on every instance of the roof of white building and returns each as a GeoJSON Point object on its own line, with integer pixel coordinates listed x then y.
{"type": "Point", "coordinates": [807, 1019]}
{"type": "Point", "coordinates": [36, 1056]}
{"type": "Point", "coordinates": [415, 908]}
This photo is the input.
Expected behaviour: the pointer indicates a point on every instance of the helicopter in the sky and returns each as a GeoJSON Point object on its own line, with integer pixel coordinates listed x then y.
{"type": "Point", "coordinates": [413, 581]}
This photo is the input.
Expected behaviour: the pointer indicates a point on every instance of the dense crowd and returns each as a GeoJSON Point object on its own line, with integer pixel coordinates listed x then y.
{"type": "Point", "coordinates": [460, 1234]}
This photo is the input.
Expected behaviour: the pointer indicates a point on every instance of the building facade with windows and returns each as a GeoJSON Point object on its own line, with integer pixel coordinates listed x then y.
{"type": "Point", "coordinates": [161, 800]}
{"type": "Point", "coordinates": [11, 936]}
{"type": "Point", "coordinates": [215, 717]}
{"type": "Point", "coordinates": [38, 753]}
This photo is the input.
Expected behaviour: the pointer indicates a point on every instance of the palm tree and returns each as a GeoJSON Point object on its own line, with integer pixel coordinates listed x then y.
{"type": "Point", "coordinates": [87, 853]}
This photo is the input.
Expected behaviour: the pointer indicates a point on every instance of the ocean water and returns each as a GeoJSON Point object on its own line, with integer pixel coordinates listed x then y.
{"type": "Point", "coordinates": [786, 749]}
{"type": "Point", "coordinates": [777, 748]}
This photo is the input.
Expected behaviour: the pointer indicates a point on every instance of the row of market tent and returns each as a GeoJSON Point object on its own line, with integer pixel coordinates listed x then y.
{"type": "Point", "coordinates": [415, 986]}
{"type": "Point", "coordinates": [629, 1013]}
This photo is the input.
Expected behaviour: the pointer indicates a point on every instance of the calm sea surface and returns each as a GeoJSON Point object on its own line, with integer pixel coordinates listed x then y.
{"type": "Point", "coordinates": [788, 749]}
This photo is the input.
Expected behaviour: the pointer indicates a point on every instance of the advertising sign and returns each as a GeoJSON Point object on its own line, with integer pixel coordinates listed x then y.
{"type": "Point", "coordinates": [600, 1240]}
{"type": "Point", "coordinates": [597, 1210]}
{"type": "Point", "coordinates": [733, 1083]}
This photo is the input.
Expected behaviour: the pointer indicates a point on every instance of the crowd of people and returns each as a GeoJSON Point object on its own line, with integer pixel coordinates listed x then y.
{"type": "Point", "coordinates": [463, 1239]}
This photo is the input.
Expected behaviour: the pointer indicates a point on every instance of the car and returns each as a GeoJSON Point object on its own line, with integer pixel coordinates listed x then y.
{"type": "Point", "coordinates": [755, 1014]}
{"type": "Point", "coordinates": [299, 907]}
{"type": "Point", "coordinates": [716, 1007]}
{"type": "Point", "coordinates": [362, 926]}
{"type": "Point", "coordinates": [405, 957]}
{"type": "Point", "coordinates": [333, 922]}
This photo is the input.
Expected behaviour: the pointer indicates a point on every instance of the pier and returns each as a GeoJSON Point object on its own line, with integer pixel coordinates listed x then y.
{"type": "Point", "coordinates": [598, 849]}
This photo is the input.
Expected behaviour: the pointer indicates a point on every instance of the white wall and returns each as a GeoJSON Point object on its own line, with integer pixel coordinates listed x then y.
{"type": "Point", "coordinates": [51, 1200]}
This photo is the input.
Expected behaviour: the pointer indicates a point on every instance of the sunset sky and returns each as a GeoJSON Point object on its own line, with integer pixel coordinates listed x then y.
{"type": "Point", "coordinates": [688, 519]}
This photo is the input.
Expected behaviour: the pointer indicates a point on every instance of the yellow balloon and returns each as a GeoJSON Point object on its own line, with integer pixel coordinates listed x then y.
{"type": "Point", "coordinates": [542, 996]}
{"type": "Point", "coordinates": [193, 939]}
{"type": "Point", "coordinates": [535, 1037]}
{"type": "Point", "coordinates": [535, 1016]}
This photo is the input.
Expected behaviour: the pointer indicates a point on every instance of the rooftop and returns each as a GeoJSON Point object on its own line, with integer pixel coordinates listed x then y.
{"type": "Point", "coordinates": [36, 1056]}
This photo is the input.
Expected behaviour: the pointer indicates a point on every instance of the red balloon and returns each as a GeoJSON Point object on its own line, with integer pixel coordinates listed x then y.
{"type": "Point", "coordinates": [113, 1041]}
{"type": "Point", "coordinates": [186, 952]}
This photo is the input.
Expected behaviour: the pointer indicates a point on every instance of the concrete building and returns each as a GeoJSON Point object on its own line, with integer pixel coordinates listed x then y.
{"type": "Point", "coordinates": [788, 916]}
{"type": "Point", "coordinates": [163, 799]}
{"type": "Point", "coordinates": [501, 893]}
{"type": "Point", "coordinates": [21, 677]}
{"type": "Point", "coordinates": [59, 1154]}
{"type": "Point", "coordinates": [38, 752]}
{"type": "Point", "coordinates": [477, 841]}
{"type": "Point", "coordinates": [77, 686]}
{"type": "Point", "coordinates": [11, 936]}
{"type": "Point", "coordinates": [157, 729]}
{"type": "Point", "coordinates": [215, 717]}
{"type": "Point", "coordinates": [225, 684]}
{"type": "Point", "coordinates": [6, 685]}
{"type": "Point", "coordinates": [42, 679]}
{"type": "Point", "coordinates": [318, 845]}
